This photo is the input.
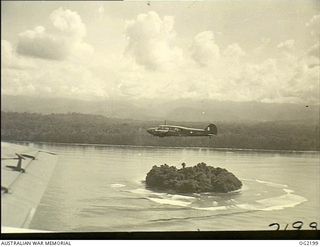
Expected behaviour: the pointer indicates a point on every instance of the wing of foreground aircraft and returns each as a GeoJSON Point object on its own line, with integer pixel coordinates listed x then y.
{"type": "Point", "coordinates": [25, 174]}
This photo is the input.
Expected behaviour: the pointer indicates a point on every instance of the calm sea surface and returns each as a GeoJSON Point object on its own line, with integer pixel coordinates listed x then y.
{"type": "Point", "coordinates": [100, 188]}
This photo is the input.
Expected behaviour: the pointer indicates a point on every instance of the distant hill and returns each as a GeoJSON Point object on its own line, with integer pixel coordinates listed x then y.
{"type": "Point", "coordinates": [117, 109]}
{"type": "Point", "coordinates": [174, 110]}
{"type": "Point", "coordinates": [241, 111]}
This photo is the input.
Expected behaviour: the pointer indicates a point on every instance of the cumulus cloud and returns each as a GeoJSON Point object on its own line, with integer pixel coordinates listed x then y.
{"type": "Point", "coordinates": [314, 25]}
{"type": "Point", "coordinates": [68, 23]}
{"type": "Point", "coordinates": [9, 58]}
{"type": "Point", "coordinates": [204, 50]}
{"type": "Point", "coordinates": [64, 38]}
{"type": "Point", "coordinates": [235, 76]}
{"type": "Point", "coordinates": [151, 41]}
{"type": "Point", "coordinates": [24, 75]}
{"type": "Point", "coordinates": [314, 50]}
{"type": "Point", "coordinates": [304, 84]}
{"type": "Point", "coordinates": [232, 55]}
{"type": "Point", "coordinates": [234, 50]}
{"type": "Point", "coordinates": [6, 52]}
{"type": "Point", "coordinates": [54, 79]}
{"type": "Point", "coordinates": [312, 55]}
{"type": "Point", "coordinates": [100, 11]}
{"type": "Point", "coordinates": [314, 19]}
{"type": "Point", "coordinates": [38, 43]}
{"type": "Point", "coordinates": [203, 71]}
{"type": "Point", "coordinates": [288, 44]}
{"type": "Point", "coordinates": [262, 48]}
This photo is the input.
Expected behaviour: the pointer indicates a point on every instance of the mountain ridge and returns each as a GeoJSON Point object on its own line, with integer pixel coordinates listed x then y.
{"type": "Point", "coordinates": [174, 110]}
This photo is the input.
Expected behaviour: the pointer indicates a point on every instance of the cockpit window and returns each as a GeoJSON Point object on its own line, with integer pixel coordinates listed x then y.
{"type": "Point", "coordinates": [163, 128]}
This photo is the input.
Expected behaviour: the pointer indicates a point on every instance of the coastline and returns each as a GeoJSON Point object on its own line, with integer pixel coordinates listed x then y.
{"type": "Point", "coordinates": [171, 147]}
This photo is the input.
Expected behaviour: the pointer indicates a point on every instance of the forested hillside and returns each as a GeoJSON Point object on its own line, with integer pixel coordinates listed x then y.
{"type": "Point", "coordinates": [85, 128]}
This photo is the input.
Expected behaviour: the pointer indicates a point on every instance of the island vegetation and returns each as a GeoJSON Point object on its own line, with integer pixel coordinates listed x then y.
{"type": "Point", "coordinates": [196, 179]}
{"type": "Point", "coordinates": [96, 129]}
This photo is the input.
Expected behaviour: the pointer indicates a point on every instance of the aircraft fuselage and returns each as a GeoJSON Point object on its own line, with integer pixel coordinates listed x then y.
{"type": "Point", "coordinates": [170, 130]}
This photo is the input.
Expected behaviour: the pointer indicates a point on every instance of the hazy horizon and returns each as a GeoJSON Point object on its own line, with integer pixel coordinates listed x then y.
{"type": "Point", "coordinates": [182, 110]}
{"type": "Point", "coordinates": [248, 51]}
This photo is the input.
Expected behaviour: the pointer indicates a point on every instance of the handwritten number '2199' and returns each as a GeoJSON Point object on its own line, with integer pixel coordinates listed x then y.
{"type": "Point", "coordinates": [295, 225]}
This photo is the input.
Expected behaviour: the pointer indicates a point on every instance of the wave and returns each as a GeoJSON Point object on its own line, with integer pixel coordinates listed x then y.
{"type": "Point", "coordinates": [272, 184]}
{"type": "Point", "coordinates": [183, 198]}
{"type": "Point", "coordinates": [212, 208]}
{"type": "Point", "coordinates": [288, 191]}
{"type": "Point", "coordinates": [143, 192]}
{"type": "Point", "coordinates": [117, 185]}
{"type": "Point", "coordinates": [289, 199]}
{"type": "Point", "coordinates": [170, 202]}
{"type": "Point", "coordinates": [165, 198]}
{"type": "Point", "coordinates": [277, 203]}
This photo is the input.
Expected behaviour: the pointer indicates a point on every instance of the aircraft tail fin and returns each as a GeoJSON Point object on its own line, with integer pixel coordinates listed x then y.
{"type": "Point", "coordinates": [211, 129]}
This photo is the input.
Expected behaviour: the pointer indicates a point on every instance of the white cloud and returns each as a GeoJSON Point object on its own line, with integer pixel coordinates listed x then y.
{"type": "Point", "coordinates": [9, 58]}
{"type": "Point", "coordinates": [314, 25]}
{"type": "Point", "coordinates": [314, 19]}
{"type": "Point", "coordinates": [22, 75]}
{"type": "Point", "coordinates": [262, 49]}
{"type": "Point", "coordinates": [314, 50]}
{"type": "Point", "coordinates": [234, 50]}
{"type": "Point", "coordinates": [101, 11]}
{"type": "Point", "coordinates": [288, 44]}
{"type": "Point", "coordinates": [38, 43]}
{"type": "Point", "coordinates": [68, 23]}
{"type": "Point", "coordinates": [231, 58]}
{"type": "Point", "coordinates": [63, 79]}
{"type": "Point", "coordinates": [204, 50]}
{"type": "Point", "coordinates": [228, 73]}
{"type": "Point", "coordinates": [64, 38]}
{"type": "Point", "coordinates": [6, 53]}
{"type": "Point", "coordinates": [233, 77]}
{"type": "Point", "coordinates": [303, 87]}
{"type": "Point", "coordinates": [151, 41]}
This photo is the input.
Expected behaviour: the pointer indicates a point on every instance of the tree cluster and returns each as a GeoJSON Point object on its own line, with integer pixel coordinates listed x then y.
{"type": "Point", "coordinates": [196, 179]}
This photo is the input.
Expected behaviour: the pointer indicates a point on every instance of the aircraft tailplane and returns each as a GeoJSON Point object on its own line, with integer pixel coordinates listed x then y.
{"type": "Point", "coordinates": [211, 129]}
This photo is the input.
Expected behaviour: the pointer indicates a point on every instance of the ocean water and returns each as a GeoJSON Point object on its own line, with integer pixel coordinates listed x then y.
{"type": "Point", "coordinates": [101, 188]}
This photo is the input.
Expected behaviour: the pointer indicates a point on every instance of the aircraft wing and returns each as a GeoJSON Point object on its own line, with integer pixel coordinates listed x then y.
{"type": "Point", "coordinates": [21, 192]}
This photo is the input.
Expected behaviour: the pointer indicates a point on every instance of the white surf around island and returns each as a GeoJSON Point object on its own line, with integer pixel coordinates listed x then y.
{"type": "Point", "coordinates": [117, 185]}
{"type": "Point", "coordinates": [285, 198]}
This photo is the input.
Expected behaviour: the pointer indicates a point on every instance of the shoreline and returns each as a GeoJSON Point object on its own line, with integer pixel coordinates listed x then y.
{"type": "Point", "coordinates": [171, 147]}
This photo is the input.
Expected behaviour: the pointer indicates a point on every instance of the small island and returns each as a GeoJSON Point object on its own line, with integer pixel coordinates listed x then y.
{"type": "Point", "coordinates": [196, 179]}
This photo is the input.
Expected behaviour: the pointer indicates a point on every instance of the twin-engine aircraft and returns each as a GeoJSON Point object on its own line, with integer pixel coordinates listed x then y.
{"type": "Point", "coordinates": [171, 130]}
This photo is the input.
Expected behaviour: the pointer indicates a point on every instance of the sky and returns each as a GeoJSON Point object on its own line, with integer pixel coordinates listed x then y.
{"type": "Point", "coordinates": [231, 50]}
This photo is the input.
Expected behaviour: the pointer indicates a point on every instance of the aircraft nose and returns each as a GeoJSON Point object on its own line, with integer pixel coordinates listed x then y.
{"type": "Point", "coordinates": [150, 130]}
